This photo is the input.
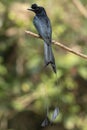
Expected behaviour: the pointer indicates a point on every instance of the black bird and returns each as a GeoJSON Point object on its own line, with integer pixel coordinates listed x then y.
{"type": "Point", "coordinates": [43, 26]}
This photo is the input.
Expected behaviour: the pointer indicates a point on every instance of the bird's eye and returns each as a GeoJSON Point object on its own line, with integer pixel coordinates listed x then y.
{"type": "Point", "coordinates": [38, 8]}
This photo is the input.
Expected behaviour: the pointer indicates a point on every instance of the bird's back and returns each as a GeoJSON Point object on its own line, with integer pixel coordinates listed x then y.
{"type": "Point", "coordinates": [43, 26]}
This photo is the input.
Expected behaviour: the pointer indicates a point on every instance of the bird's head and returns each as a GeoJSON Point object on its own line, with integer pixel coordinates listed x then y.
{"type": "Point", "coordinates": [37, 9]}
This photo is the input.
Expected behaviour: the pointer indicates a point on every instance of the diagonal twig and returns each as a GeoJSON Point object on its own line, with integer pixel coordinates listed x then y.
{"type": "Point", "coordinates": [58, 44]}
{"type": "Point", "coordinates": [80, 7]}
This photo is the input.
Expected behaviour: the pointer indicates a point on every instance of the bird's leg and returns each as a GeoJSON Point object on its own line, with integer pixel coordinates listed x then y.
{"type": "Point", "coordinates": [40, 35]}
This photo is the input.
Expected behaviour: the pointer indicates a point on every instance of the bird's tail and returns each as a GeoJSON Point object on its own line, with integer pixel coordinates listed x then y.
{"type": "Point", "coordinates": [49, 57]}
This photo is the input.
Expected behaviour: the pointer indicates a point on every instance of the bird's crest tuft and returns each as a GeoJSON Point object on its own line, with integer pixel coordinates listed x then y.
{"type": "Point", "coordinates": [34, 6]}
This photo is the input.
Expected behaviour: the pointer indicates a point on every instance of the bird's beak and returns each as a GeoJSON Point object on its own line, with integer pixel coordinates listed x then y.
{"type": "Point", "coordinates": [30, 9]}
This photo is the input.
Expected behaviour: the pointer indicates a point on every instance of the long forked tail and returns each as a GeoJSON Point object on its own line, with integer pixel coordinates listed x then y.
{"type": "Point", "coordinates": [49, 57]}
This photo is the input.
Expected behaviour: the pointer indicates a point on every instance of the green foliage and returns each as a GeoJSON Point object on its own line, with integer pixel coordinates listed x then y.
{"type": "Point", "coordinates": [24, 84]}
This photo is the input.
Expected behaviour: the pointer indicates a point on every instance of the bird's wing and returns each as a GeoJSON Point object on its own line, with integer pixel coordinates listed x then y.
{"type": "Point", "coordinates": [43, 27]}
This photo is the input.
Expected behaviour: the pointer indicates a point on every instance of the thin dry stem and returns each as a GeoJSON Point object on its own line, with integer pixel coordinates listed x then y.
{"type": "Point", "coordinates": [58, 44]}
{"type": "Point", "coordinates": [80, 7]}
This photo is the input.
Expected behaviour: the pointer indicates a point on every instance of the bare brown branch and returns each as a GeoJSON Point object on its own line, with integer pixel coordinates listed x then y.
{"type": "Point", "coordinates": [58, 44]}
{"type": "Point", "coordinates": [80, 7]}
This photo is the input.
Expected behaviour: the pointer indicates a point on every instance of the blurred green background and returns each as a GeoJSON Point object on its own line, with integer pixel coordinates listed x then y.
{"type": "Point", "coordinates": [25, 87]}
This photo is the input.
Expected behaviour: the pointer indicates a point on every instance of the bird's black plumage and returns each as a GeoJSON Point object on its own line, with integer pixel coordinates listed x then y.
{"type": "Point", "coordinates": [43, 26]}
